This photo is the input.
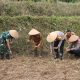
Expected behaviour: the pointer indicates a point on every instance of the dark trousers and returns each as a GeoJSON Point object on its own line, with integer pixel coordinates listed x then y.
{"type": "Point", "coordinates": [59, 53]}
{"type": "Point", "coordinates": [75, 52]}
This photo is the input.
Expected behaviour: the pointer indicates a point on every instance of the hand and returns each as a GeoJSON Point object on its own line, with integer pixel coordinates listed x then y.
{"type": "Point", "coordinates": [55, 47]}
{"type": "Point", "coordinates": [36, 46]}
{"type": "Point", "coordinates": [67, 49]}
{"type": "Point", "coordinates": [72, 49]}
{"type": "Point", "coordinates": [28, 40]}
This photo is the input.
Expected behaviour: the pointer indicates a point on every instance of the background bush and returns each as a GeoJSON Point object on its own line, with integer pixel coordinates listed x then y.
{"type": "Point", "coordinates": [18, 8]}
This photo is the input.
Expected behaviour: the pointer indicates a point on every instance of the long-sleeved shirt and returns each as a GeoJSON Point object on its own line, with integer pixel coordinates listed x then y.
{"type": "Point", "coordinates": [36, 39]}
{"type": "Point", "coordinates": [57, 45]}
{"type": "Point", "coordinates": [75, 45]}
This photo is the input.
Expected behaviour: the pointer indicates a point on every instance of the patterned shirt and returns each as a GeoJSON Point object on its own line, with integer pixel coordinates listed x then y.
{"type": "Point", "coordinates": [3, 46]}
{"type": "Point", "coordinates": [5, 36]}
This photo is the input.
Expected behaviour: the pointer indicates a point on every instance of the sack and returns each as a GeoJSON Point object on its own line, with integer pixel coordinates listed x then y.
{"type": "Point", "coordinates": [1, 40]}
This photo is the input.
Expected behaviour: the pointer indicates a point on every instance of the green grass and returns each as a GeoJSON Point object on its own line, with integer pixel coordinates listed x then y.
{"type": "Point", "coordinates": [20, 8]}
{"type": "Point", "coordinates": [44, 24]}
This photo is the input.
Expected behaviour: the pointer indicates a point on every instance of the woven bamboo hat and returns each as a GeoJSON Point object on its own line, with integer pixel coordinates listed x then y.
{"type": "Point", "coordinates": [14, 34]}
{"type": "Point", "coordinates": [73, 38]}
{"type": "Point", "coordinates": [60, 34]}
{"type": "Point", "coordinates": [51, 37]}
{"type": "Point", "coordinates": [33, 32]}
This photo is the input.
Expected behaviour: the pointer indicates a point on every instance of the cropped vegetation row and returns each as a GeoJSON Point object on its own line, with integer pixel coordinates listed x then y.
{"type": "Point", "coordinates": [44, 24]}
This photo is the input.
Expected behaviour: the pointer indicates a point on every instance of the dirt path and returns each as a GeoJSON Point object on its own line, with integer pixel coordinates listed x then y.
{"type": "Point", "coordinates": [30, 68]}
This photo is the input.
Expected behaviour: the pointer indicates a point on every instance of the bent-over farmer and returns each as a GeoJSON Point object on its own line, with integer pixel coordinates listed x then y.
{"type": "Point", "coordinates": [56, 43]}
{"type": "Point", "coordinates": [6, 39]}
{"type": "Point", "coordinates": [36, 39]}
{"type": "Point", "coordinates": [68, 34]}
{"type": "Point", "coordinates": [74, 47]}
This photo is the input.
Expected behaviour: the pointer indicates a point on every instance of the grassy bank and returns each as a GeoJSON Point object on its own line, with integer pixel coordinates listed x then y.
{"type": "Point", "coordinates": [44, 24]}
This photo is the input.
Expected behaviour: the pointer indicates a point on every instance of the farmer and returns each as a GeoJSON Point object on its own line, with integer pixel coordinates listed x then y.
{"type": "Point", "coordinates": [36, 40]}
{"type": "Point", "coordinates": [6, 39]}
{"type": "Point", "coordinates": [74, 47]}
{"type": "Point", "coordinates": [68, 34]}
{"type": "Point", "coordinates": [56, 43]}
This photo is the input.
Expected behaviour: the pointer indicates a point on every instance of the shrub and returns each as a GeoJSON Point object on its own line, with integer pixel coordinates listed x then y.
{"type": "Point", "coordinates": [17, 8]}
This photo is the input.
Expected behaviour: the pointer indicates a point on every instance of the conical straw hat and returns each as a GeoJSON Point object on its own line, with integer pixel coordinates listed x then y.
{"type": "Point", "coordinates": [60, 34]}
{"type": "Point", "coordinates": [33, 32]}
{"type": "Point", "coordinates": [14, 34]}
{"type": "Point", "coordinates": [51, 37]}
{"type": "Point", "coordinates": [73, 38]}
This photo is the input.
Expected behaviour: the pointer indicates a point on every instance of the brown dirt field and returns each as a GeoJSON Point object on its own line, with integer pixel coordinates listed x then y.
{"type": "Point", "coordinates": [35, 68]}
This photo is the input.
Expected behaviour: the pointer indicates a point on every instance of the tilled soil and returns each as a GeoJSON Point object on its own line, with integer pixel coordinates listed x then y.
{"type": "Point", "coordinates": [39, 68]}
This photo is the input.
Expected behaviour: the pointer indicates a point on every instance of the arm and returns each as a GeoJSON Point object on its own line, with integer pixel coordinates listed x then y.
{"type": "Point", "coordinates": [51, 47]}
{"type": "Point", "coordinates": [8, 45]}
{"type": "Point", "coordinates": [40, 42]}
{"type": "Point", "coordinates": [76, 47]}
{"type": "Point", "coordinates": [69, 47]}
